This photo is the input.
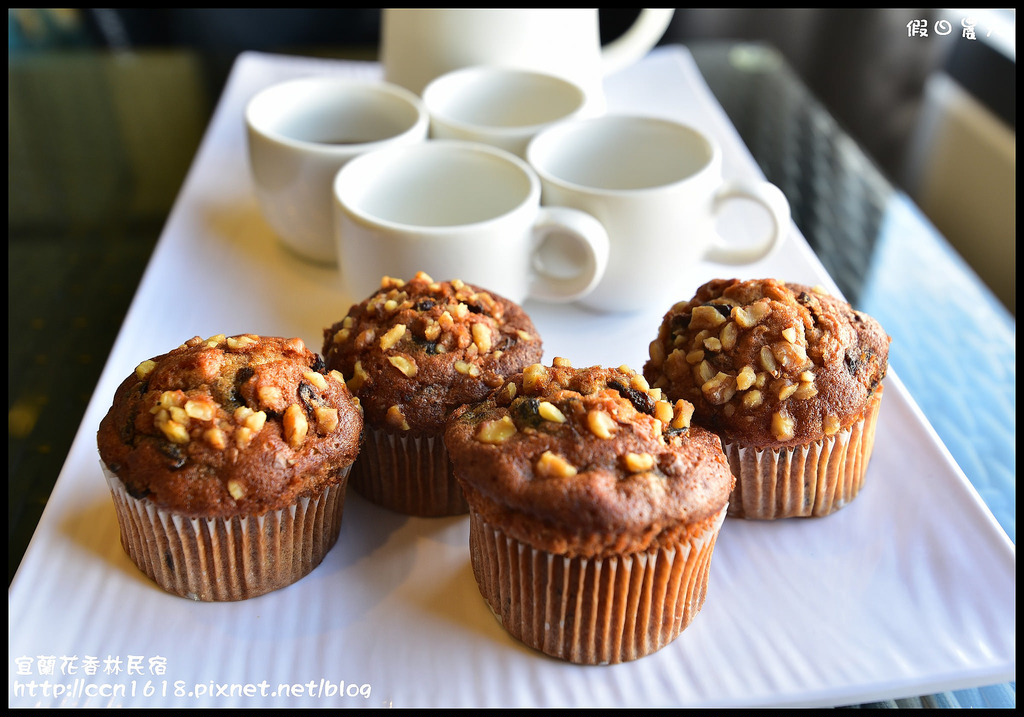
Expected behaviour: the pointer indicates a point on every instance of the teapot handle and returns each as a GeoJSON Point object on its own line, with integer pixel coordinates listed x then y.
{"type": "Point", "coordinates": [637, 41]}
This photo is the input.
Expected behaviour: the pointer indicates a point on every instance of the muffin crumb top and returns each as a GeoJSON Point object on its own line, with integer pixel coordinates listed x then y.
{"type": "Point", "coordinates": [230, 424]}
{"type": "Point", "coordinates": [416, 350]}
{"type": "Point", "coordinates": [585, 459]}
{"type": "Point", "coordinates": [768, 362]}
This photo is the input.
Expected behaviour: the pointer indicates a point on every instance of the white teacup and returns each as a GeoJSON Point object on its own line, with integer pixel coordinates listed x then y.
{"type": "Point", "coordinates": [461, 210]}
{"type": "Point", "coordinates": [301, 132]}
{"type": "Point", "coordinates": [657, 187]}
{"type": "Point", "coordinates": [501, 106]}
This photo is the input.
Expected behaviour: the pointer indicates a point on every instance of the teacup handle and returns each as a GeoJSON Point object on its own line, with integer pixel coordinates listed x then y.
{"type": "Point", "coordinates": [768, 196]}
{"type": "Point", "coordinates": [569, 254]}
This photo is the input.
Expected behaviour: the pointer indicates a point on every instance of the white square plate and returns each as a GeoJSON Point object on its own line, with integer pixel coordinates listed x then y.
{"type": "Point", "coordinates": [907, 591]}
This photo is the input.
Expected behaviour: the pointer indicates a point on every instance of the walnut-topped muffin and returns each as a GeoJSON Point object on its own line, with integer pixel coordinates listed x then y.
{"type": "Point", "coordinates": [789, 377]}
{"type": "Point", "coordinates": [413, 352]}
{"type": "Point", "coordinates": [228, 459]}
{"type": "Point", "coordinates": [594, 509]}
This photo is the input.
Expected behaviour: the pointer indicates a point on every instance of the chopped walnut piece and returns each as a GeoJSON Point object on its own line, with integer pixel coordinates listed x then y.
{"type": "Point", "coordinates": [482, 337]}
{"type": "Point", "coordinates": [682, 412]}
{"type": "Point", "coordinates": [698, 339]}
{"type": "Point", "coordinates": [638, 382]}
{"type": "Point", "coordinates": [831, 425]}
{"type": "Point", "coordinates": [496, 432]}
{"type": "Point", "coordinates": [326, 419]}
{"type": "Point", "coordinates": [241, 342]}
{"type": "Point", "coordinates": [600, 423]}
{"type": "Point", "coordinates": [145, 368]}
{"type": "Point", "coordinates": [752, 399]}
{"type": "Point", "coordinates": [253, 420]}
{"type": "Point", "coordinates": [534, 377]}
{"type": "Point", "coordinates": [549, 412]}
{"type": "Point", "coordinates": [446, 321]}
{"type": "Point", "coordinates": [396, 418]}
{"type": "Point", "coordinates": [243, 435]}
{"type": "Point", "coordinates": [787, 390]}
{"type": "Point", "coordinates": [365, 338]}
{"type": "Point", "coordinates": [705, 371]}
{"type": "Point", "coordinates": [805, 390]}
{"type": "Point", "coordinates": [269, 396]}
{"type": "Point", "coordinates": [392, 336]}
{"type": "Point", "coordinates": [712, 344]}
{"type": "Point", "coordinates": [782, 426]}
{"type": "Point", "coordinates": [216, 438]}
{"type": "Point", "coordinates": [175, 431]}
{"type": "Point", "coordinates": [404, 364]}
{"type": "Point", "coordinates": [200, 410]}
{"type": "Point", "coordinates": [316, 379]}
{"type": "Point", "coordinates": [172, 398]}
{"type": "Point", "coordinates": [236, 489]}
{"type": "Point", "coordinates": [728, 335]}
{"type": "Point", "coordinates": [178, 414]}
{"type": "Point", "coordinates": [663, 411]}
{"type": "Point", "coordinates": [746, 317]}
{"type": "Point", "coordinates": [745, 378]}
{"type": "Point", "coordinates": [561, 362]}
{"type": "Point", "coordinates": [719, 389]}
{"type": "Point", "coordinates": [552, 465]}
{"type": "Point", "coordinates": [705, 317]}
{"type": "Point", "coordinates": [359, 377]}
{"type": "Point", "coordinates": [789, 355]}
{"type": "Point", "coordinates": [639, 462]}
{"type": "Point", "coordinates": [295, 425]}
{"type": "Point", "coordinates": [467, 369]}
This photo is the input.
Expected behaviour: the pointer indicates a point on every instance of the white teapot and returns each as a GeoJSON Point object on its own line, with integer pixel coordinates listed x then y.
{"type": "Point", "coordinates": [420, 44]}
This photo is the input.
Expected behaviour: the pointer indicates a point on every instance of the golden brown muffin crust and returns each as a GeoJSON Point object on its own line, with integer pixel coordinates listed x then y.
{"type": "Point", "coordinates": [230, 426]}
{"type": "Point", "coordinates": [587, 461]}
{"type": "Point", "coordinates": [769, 363]}
{"type": "Point", "coordinates": [416, 350]}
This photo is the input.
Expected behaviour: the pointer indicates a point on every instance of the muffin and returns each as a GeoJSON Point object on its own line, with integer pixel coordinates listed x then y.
{"type": "Point", "coordinates": [789, 377]}
{"type": "Point", "coordinates": [227, 459]}
{"type": "Point", "coordinates": [412, 353]}
{"type": "Point", "coordinates": [594, 510]}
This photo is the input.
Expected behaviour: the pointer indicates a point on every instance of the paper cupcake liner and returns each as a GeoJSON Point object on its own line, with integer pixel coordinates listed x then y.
{"type": "Point", "coordinates": [811, 480]}
{"type": "Point", "coordinates": [592, 611]}
{"type": "Point", "coordinates": [407, 474]}
{"type": "Point", "coordinates": [225, 559]}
